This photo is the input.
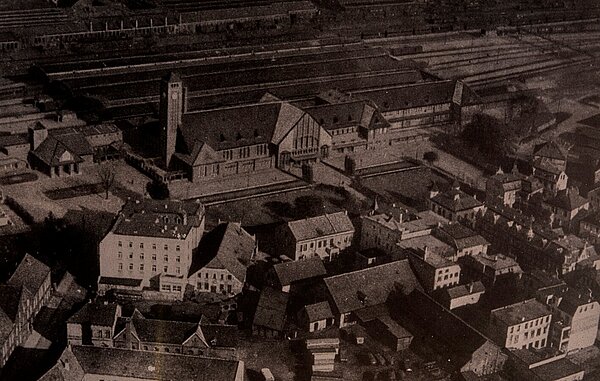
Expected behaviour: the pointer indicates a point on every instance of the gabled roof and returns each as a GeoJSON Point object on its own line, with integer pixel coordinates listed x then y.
{"type": "Point", "coordinates": [318, 311]}
{"type": "Point", "coordinates": [462, 237]}
{"type": "Point", "coordinates": [320, 226]}
{"type": "Point", "coordinates": [573, 299]}
{"type": "Point", "coordinates": [409, 96]}
{"type": "Point", "coordinates": [162, 331]}
{"type": "Point", "coordinates": [552, 150]}
{"type": "Point", "coordinates": [294, 271]}
{"type": "Point", "coordinates": [31, 274]}
{"type": "Point", "coordinates": [98, 314]}
{"type": "Point", "coordinates": [271, 309]}
{"type": "Point", "coordinates": [11, 299]}
{"type": "Point", "coordinates": [465, 289]}
{"type": "Point", "coordinates": [456, 200]}
{"type": "Point", "coordinates": [229, 247]}
{"type": "Point", "coordinates": [519, 312]}
{"type": "Point", "coordinates": [289, 116]}
{"type": "Point", "coordinates": [128, 364]}
{"type": "Point", "coordinates": [53, 152]}
{"type": "Point", "coordinates": [567, 199]}
{"type": "Point", "coordinates": [231, 127]}
{"type": "Point", "coordinates": [371, 286]}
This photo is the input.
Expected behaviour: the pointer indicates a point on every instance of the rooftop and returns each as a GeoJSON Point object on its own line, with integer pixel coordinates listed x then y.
{"type": "Point", "coordinates": [154, 218]}
{"type": "Point", "coordinates": [271, 309]}
{"type": "Point", "coordinates": [465, 289]}
{"type": "Point", "coordinates": [456, 200]}
{"type": "Point", "coordinates": [568, 199]}
{"type": "Point", "coordinates": [521, 312]}
{"type": "Point", "coordinates": [293, 271]}
{"type": "Point", "coordinates": [99, 314]}
{"type": "Point", "coordinates": [318, 311]}
{"type": "Point", "coordinates": [321, 226]}
{"type": "Point", "coordinates": [31, 274]}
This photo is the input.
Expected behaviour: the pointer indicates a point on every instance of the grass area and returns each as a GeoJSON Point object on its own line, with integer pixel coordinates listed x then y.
{"type": "Point", "coordinates": [76, 191]}
{"type": "Point", "coordinates": [18, 178]}
{"type": "Point", "coordinates": [410, 188]}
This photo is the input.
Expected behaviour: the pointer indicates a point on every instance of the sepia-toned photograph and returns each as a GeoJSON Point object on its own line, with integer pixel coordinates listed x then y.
{"type": "Point", "coordinates": [299, 190]}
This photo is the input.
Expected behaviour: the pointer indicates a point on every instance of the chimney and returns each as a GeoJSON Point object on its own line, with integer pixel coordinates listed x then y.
{"type": "Point", "coordinates": [426, 253]}
{"type": "Point", "coordinates": [37, 134]}
{"type": "Point", "coordinates": [185, 218]}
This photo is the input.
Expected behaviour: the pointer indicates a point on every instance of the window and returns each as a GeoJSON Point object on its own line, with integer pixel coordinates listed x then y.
{"type": "Point", "coordinates": [120, 255]}
{"type": "Point", "coordinates": [154, 246]}
{"type": "Point", "coordinates": [120, 243]}
{"type": "Point", "coordinates": [166, 258]}
{"type": "Point", "coordinates": [229, 277]}
{"type": "Point", "coordinates": [142, 256]}
{"type": "Point", "coordinates": [319, 244]}
{"type": "Point", "coordinates": [120, 266]}
{"type": "Point", "coordinates": [131, 266]}
{"type": "Point", "coordinates": [214, 276]}
{"type": "Point", "coordinates": [145, 347]}
{"type": "Point", "coordinates": [178, 270]}
{"type": "Point", "coordinates": [130, 244]}
{"type": "Point", "coordinates": [130, 255]}
{"type": "Point", "coordinates": [222, 276]}
{"type": "Point", "coordinates": [154, 257]}
{"type": "Point", "coordinates": [153, 268]}
{"type": "Point", "coordinates": [221, 287]}
{"type": "Point", "coordinates": [229, 288]}
{"type": "Point", "coordinates": [177, 248]}
{"type": "Point", "coordinates": [141, 245]}
{"type": "Point", "coordinates": [166, 269]}
{"type": "Point", "coordinates": [166, 247]}
{"type": "Point", "coordinates": [141, 267]}
{"type": "Point", "coordinates": [206, 285]}
{"type": "Point", "coordinates": [166, 287]}
{"type": "Point", "coordinates": [178, 259]}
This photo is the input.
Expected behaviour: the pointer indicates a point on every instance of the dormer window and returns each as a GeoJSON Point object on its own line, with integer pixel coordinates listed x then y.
{"type": "Point", "coordinates": [238, 136]}
{"type": "Point", "coordinates": [221, 137]}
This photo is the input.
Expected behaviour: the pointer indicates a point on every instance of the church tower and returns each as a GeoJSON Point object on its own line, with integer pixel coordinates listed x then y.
{"type": "Point", "coordinates": [170, 114]}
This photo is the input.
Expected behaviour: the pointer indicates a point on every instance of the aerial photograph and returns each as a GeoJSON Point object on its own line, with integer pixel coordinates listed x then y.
{"type": "Point", "coordinates": [299, 190]}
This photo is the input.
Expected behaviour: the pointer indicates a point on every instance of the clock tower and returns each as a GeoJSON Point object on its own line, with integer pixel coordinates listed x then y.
{"type": "Point", "coordinates": [170, 114]}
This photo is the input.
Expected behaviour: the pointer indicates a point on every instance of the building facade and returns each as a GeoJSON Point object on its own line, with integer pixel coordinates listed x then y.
{"type": "Point", "coordinates": [521, 325]}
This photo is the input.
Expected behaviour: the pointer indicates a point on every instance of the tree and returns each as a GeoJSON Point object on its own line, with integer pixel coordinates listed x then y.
{"type": "Point", "coordinates": [492, 137]}
{"type": "Point", "coordinates": [309, 206]}
{"type": "Point", "coordinates": [107, 178]}
{"type": "Point", "coordinates": [431, 157]}
{"type": "Point", "coordinates": [158, 190]}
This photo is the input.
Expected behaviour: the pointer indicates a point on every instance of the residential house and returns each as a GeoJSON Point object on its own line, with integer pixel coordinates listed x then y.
{"type": "Point", "coordinates": [468, 350]}
{"type": "Point", "coordinates": [390, 333]}
{"type": "Point", "coordinates": [566, 253]}
{"type": "Point", "coordinates": [82, 363]}
{"type": "Point", "coordinates": [316, 316]}
{"type": "Point", "coordinates": [575, 320]}
{"type": "Point", "coordinates": [27, 290]}
{"type": "Point", "coordinates": [168, 336]}
{"type": "Point", "coordinates": [150, 245]}
{"type": "Point", "coordinates": [351, 292]}
{"type": "Point", "coordinates": [223, 256]}
{"type": "Point", "coordinates": [93, 324]}
{"type": "Point", "coordinates": [270, 315]}
{"type": "Point", "coordinates": [461, 295]}
{"type": "Point", "coordinates": [549, 166]}
{"type": "Point", "coordinates": [384, 230]}
{"type": "Point", "coordinates": [567, 208]}
{"type": "Point", "coordinates": [290, 276]}
{"type": "Point", "coordinates": [324, 236]}
{"type": "Point", "coordinates": [462, 239]}
{"type": "Point", "coordinates": [503, 187]}
{"type": "Point", "coordinates": [433, 245]}
{"type": "Point", "coordinates": [489, 268]}
{"type": "Point", "coordinates": [589, 228]}
{"type": "Point", "coordinates": [455, 205]}
{"type": "Point", "coordinates": [522, 325]}
{"type": "Point", "coordinates": [434, 271]}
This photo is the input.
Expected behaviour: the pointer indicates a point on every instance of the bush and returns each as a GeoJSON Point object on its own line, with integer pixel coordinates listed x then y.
{"type": "Point", "coordinates": [158, 190]}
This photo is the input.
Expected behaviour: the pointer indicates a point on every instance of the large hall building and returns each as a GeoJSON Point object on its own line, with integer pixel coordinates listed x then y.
{"type": "Point", "coordinates": [276, 133]}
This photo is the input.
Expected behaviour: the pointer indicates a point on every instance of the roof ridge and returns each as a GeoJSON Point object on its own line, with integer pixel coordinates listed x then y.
{"type": "Point", "coordinates": [367, 268]}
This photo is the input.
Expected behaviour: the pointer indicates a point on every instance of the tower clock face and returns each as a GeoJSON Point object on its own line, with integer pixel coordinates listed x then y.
{"type": "Point", "coordinates": [174, 96]}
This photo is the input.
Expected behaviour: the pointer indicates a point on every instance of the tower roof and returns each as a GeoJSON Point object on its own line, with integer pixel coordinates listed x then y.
{"type": "Point", "coordinates": [172, 77]}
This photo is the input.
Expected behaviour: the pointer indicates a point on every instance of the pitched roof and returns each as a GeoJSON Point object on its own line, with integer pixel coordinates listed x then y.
{"type": "Point", "coordinates": [552, 150]}
{"type": "Point", "coordinates": [293, 271]}
{"type": "Point", "coordinates": [408, 96]}
{"type": "Point", "coordinates": [456, 200]}
{"type": "Point", "coordinates": [153, 365]}
{"type": "Point", "coordinates": [13, 140]}
{"type": "Point", "coordinates": [462, 237]}
{"type": "Point", "coordinates": [228, 246]}
{"type": "Point", "coordinates": [99, 314]}
{"type": "Point", "coordinates": [271, 309]}
{"type": "Point", "coordinates": [371, 286]}
{"type": "Point", "coordinates": [320, 226]}
{"type": "Point", "coordinates": [520, 312]}
{"type": "Point", "coordinates": [231, 127]}
{"type": "Point", "coordinates": [31, 274]}
{"type": "Point", "coordinates": [351, 113]}
{"type": "Point", "coordinates": [465, 289]}
{"type": "Point", "coordinates": [11, 299]}
{"type": "Point", "coordinates": [567, 199]}
{"type": "Point", "coordinates": [161, 331]}
{"type": "Point", "coordinates": [155, 218]}
{"type": "Point", "coordinates": [53, 151]}
{"type": "Point", "coordinates": [573, 299]}
{"type": "Point", "coordinates": [318, 311]}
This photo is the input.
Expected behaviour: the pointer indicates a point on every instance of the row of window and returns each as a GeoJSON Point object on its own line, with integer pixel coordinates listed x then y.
{"type": "Point", "coordinates": [166, 246]}
{"type": "Point", "coordinates": [142, 268]}
{"type": "Point", "coordinates": [142, 256]}
{"type": "Point", "coordinates": [206, 286]}
{"type": "Point", "coordinates": [531, 323]}
{"type": "Point", "coordinates": [448, 276]}
{"type": "Point", "coordinates": [214, 276]}
{"type": "Point", "coordinates": [320, 244]}
{"type": "Point", "coordinates": [168, 287]}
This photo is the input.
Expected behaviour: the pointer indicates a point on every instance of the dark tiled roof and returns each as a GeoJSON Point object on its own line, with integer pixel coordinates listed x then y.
{"type": "Point", "coordinates": [321, 226]}
{"type": "Point", "coordinates": [404, 97]}
{"type": "Point", "coordinates": [228, 246]}
{"type": "Point", "coordinates": [163, 331]}
{"type": "Point", "coordinates": [271, 309]}
{"type": "Point", "coordinates": [97, 313]}
{"type": "Point", "coordinates": [231, 127]}
{"type": "Point", "coordinates": [31, 274]}
{"type": "Point", "coordinates": [51, 150]}
{"type": "Point", "coordinates": [462, 237]}
{"type": "Point", "coordinates": [456, 200]}
{"type": "Point", "coordinates": [340, 115]}
{"type": "Point", "coordinates": [150, 217]}
{"type": "Point", "coordinates": [572, 299]}
{"type": "Point", "coordinates": [567, 199]}
{"type": "Point", "coordinates": [13, 140]}
{"type": "Point", "coordinates": [371, 286]}
{"type": "Point", "coordinates": [464, 290]}
{"type": "Point", "coordinates": [129, 364]}
{"type": "Point", "coordinates": [318, 311]}
{"type": "Point", "coordinates": [11, 298]}
{"type": "Point", "coordinates": [294, 271]}
{"type": "Point", "coordinates": [552, 150]}
{"type": "Point", "coordinates": [557, 370]}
